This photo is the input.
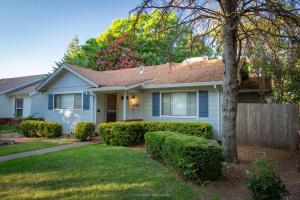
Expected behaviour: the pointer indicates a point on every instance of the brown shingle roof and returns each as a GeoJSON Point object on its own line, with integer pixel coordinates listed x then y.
{"type": "Point", "coordinates": [27, 90]}
{"type": "Point", "coordinates": [201, 71]}
{"type": "Point", "coordinates": [9, 83]}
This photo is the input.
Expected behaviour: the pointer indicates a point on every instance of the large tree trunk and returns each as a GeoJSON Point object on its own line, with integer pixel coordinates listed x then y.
{"type": "Point", "coordinates": [230, 87]}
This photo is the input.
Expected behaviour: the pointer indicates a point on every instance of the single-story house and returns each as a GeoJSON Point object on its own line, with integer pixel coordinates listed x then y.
{"type": "Point", "coordinates": [188, 91]}
{"type": "Point", "coordinates": [18, 97]}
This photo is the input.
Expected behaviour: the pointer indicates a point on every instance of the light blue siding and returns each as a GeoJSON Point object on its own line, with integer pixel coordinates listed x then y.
{"type": "Point", "coordinates": [5, 107]}
{"type": "Point", "coordinates": [38, 105]}
{"type": "Point", "coordinates": [213, 108]}
{"type": "Point", "coordinates": [67, 82]}
{"type": "Point", "coordinates": [32, 105]}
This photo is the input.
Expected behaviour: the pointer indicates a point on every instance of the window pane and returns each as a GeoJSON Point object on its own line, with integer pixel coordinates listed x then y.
{"type": "Point", "coordinates": [179, 104]}
{"type": "Point", "coordinates": [78, 101]}
{"type": "Point", "coordinates": [67, 101]}
{"type": "Point", "coordinates": [166, 104]}
{"type": "Point", "coordinates": [19, 103]}
{"type": "Point", "coordinates": [19, 107]}
{"type": "Point", "coordinates": [57, 101]}
{"type": "Point", "coordinates": [192, 104]}
{"type": "Point", "coordinates": [19, 112]}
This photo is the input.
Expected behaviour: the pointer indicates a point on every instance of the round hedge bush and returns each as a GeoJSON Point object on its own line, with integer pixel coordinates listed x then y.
{"type": "Point", "coordinates": [83, 130]}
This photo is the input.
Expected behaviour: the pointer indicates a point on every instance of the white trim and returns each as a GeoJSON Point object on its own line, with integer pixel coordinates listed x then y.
{"type": "Point", "coordinates": [117, 88]}
{"type": "Point", "coordinates": [179, 116]}
{"type": "Point", "coordinates": [218, 117]}
{"type": "Point", "coordinates": [19, 87]}
{"type": "Point", "coordinates": [160, 103]}
{"type": "Point", "coordinates": [95, 99]}
{"type": "Point", "coordinates": [197, 105]}
{"type": "Point", "coordinates": [58, 71]}
{"type": "Point", "coordinates": [125, 105]}
{"type": "Point", "coordinates": [106, 89]}
{"type": "Point", "coordinates": [33, 93]}
{"type": "Point", "coordinates": [178, 85]}
{"type": "Point", "coordinates": [158, 86]}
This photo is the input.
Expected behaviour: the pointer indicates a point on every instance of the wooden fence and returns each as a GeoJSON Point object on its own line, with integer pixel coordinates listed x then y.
{"type": "Point", "coordinates": [269, 125]}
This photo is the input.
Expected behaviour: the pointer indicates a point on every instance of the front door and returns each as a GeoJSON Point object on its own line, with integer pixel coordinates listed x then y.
{"type": "Point", "coordinates": [111, 108]}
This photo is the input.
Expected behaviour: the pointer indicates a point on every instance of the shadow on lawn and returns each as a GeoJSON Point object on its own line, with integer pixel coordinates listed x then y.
{"type": "Point", "coordinates": [94, 171]}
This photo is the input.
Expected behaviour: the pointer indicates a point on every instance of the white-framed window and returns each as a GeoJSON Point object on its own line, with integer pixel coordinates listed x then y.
{"type": "Point", "coordinates": [19, 103]}
{"type": "Point", "coordinates": [179, 103]}
{"type": "Point", "coordinates": [68, 101]}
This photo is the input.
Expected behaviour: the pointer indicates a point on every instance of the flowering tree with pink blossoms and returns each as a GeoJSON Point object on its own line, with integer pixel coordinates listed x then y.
{"type": "Point", "coordinates": [119, 54]}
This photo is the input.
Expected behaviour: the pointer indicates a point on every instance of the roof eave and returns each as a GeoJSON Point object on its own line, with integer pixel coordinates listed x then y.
{"type": "Point", "coordinates": [14, 89]}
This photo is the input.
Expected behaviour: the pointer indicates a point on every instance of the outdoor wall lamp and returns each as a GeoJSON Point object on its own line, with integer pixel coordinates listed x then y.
{"type": "Point", "coordinates": [133, 99]}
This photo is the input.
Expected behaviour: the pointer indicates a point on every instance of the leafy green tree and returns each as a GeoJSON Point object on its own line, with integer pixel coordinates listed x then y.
{"type": "Point", "coordinates": [146, 39]}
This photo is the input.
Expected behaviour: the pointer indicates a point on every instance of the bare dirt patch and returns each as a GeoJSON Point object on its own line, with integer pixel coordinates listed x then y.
{"type": "Point", "coordinates": [233, 184]}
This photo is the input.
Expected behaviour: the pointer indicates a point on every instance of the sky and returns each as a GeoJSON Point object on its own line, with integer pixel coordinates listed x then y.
{"type": "Point", "coordinates": [35, 33]}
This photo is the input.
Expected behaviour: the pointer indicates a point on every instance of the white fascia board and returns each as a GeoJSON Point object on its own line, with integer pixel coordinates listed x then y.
{"type": "Point", "coordinates": [107, 89]}
{"type": "Point", "coordinates": [179, 85]}
{"type": "Point", "coordinates": [33, 93]}
{"type": "Point", "coordinates": [117, 88]}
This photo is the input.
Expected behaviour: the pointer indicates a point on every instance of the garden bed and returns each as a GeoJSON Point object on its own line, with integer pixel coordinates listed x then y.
{"type": "Point", "coordinates": [233, 184]}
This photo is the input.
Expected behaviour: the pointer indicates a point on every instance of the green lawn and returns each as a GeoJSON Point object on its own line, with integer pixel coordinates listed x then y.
{"type": "Point", "coordinates": [92, 172]}
{"type": "Point", "coordinates": [26, 146]}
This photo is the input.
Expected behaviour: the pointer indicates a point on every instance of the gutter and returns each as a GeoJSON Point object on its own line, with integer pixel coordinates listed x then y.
{"type": "Point", "coordinates": [157, 86]}
{"type": "Point", "coordinates": [179, 85]}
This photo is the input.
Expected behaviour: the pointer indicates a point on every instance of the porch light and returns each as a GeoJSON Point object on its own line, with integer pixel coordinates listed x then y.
{"type": "Point", "coordinates": [133, 99]}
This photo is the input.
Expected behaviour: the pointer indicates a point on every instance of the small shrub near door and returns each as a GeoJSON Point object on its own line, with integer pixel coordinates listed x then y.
{"type": "Point", "coordinates": [130, 133]}
{"type": "Point", "coordinates": [263, 183]}
{"type": "Point", "coordinates": [35, 128]}
{"type": "Point", "coordinates": [196, 158]}
{"type": "Point", "coordinates": [83, 130]}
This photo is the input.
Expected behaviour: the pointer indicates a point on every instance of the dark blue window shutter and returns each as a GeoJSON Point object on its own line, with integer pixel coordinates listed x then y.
{"type": "Point", "coordinates": [203, 103]}
{"type": "Point", "coordinates": [155, 104]}
{"type": "Point", "coordinates": [50, 101]}
{"type": "Point", "coordinates": [86, 101]}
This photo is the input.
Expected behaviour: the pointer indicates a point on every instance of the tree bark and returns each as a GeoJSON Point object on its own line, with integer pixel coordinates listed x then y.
{"type": "Point", "coordinates": [230, 85]}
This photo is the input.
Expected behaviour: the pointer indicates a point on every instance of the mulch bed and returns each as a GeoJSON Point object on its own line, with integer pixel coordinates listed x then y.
{"type": "Point", "coordinates": [233, 184]}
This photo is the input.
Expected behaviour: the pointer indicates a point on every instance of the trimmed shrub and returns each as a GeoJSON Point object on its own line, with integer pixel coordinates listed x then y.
{"type": "Point", "coordinates": [199, 129]}
{"type": "Point", "coordinates": [263, 183]}
{"type": "Point", "coordinates": [122, 133]}
{"type": "Point", "coordinates": [52, 129]}
{"type": "Point", "coordinates": [196, 158]}
{"type": "Point", "coordinates": [35, 128]}
{"type": "Point", "coordinates": [83, 130]}
{"type": "Point", "coordinates": [130, 133]}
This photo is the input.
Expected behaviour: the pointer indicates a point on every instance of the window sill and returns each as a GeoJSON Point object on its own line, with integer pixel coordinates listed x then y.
{"type": "Point", "coordinates": [69, 109]}
{"type": "Point", "coordinates": [183, 117]}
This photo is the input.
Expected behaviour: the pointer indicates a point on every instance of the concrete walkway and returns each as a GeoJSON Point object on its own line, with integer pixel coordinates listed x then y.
{"type": "Point", "coordinates": [42, 151]}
